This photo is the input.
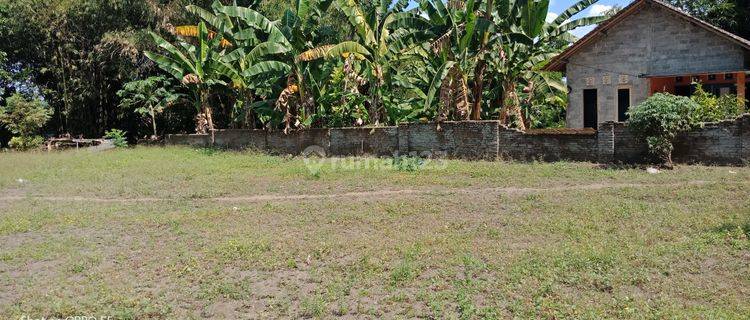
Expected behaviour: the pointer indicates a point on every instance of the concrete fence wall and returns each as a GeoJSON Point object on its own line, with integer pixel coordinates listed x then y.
{"type": "Point", "coordinates": [726, 142]}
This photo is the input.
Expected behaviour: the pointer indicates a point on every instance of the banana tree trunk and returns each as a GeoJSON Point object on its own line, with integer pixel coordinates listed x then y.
{"type": "Point", "coordinates": [375, 104]}
{"type": "Point", "coordinates": [461, 92]}
{"type": "Point", "coordinates": [476, 108]}
{"type": "Point", "coordinates": [512, 106]}
{"type": "Point", "coordinates": [152, 112]}
{"type": "Point", "coordinates": [207, 112]}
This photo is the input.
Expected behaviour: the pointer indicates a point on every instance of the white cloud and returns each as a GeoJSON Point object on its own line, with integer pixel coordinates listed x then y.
{"type": "Point", "coordinates": [551, 16]}
{"type": "Point", "coordinates": [599, 9]}
{"type": "Point", "coordinates": [582, 31]}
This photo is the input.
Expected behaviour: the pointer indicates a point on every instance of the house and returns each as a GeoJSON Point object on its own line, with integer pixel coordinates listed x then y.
{"type": "Point", "coordinates": [648, 47]}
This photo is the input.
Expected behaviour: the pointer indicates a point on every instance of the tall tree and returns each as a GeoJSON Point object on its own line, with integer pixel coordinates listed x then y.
{"type": "Point", "coordinates": [730, 15]}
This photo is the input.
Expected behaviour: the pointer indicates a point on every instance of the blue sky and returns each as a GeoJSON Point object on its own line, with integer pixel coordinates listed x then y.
{"type": "Point", "coordinates": [558, 6]}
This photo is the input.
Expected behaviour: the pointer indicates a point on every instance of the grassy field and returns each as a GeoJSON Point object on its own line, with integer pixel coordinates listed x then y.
{"type": "Point", "coordinates": [185, 233]}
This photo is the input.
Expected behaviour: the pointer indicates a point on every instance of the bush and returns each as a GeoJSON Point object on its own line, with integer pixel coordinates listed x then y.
{"type": "Point", "coordinates": [118, 137]}
{"type": "Point", "coordinates": [23, 118]}
{"type": "Point", "coordinates": [26, 143]}
{"type": "Point", "coordinates": [711, 108]}
{"type": "Point", "coordinates": [407, 163]}
{"type": "Point", "coordinates": [659, 119]}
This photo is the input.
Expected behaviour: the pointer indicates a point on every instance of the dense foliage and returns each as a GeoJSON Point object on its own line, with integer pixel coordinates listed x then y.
{"type": "Point", "coordinates": [149, 98]}
{"type": "Point", "coordinates": [731, 15]}
{"type": "Point", "coordinates": [78, 53]}
{"type": "Point", "coordinates": [711, 108]}
{"type": "Point", "coordinates": [282, 64]}
{"type": "Point", "coordinates": [438, 62]}
{"type": "Point", "coordinates": [24, 117]}
{"type": "Point", "coordinates": [659, 119]}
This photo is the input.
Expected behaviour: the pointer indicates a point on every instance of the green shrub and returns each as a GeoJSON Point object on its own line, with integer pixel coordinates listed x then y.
{"type": "Point", "coordinates": [711, 108]}
{"type": "Point", "coordinates": [26, 143]}
{"type": "Point", "coordinates": [659, 119]}
{"type": "Point", "coordinates": [118, 137]}
{"type": "Point", "coordinates": [407, 163]}
{"type": "Point", "coordinates": [24, 118]}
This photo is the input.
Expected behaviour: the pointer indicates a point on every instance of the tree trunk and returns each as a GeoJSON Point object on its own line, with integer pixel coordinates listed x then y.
{"type": "Point", "coordinates": [512, 106]}
{"type": "Point", "coordinates": [375, 104]}
{"type": "Point", "coordinates": [210, 120]}
{"type": "Point", "coordinates": [206, 110]}
{"type": "Point", "coordinates": [476, 108]}
{"type": "Point", "coordinates": [153, 122]}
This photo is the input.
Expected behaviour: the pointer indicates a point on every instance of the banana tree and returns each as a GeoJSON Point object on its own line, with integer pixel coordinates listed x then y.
{"type": "Point", "coordinates": [253, 46]}
{"type": "Point", "coordinates": [199, 67]}
{"type": "Point", "coordinates": [265, 48]}
{"type": "Point", "coordinates": [522, 45]}
{"type": "Point", "coordinates": [384, 31]}
{"type": "Point", "coordinates": [455, 28]}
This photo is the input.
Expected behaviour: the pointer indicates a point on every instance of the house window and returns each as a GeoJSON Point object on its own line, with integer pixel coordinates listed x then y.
{"type": "Point", "coordinates": [711, 77]}
{"type": "Point", "coordinates": [696, 78]}
{"type": "Point", "coordinates": [679, 79]}
{"type": "Point", "coordinates": [729, 76]}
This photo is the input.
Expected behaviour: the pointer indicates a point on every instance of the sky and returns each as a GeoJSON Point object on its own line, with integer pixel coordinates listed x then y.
{"type": "Point", "coordinates": [558, 6]}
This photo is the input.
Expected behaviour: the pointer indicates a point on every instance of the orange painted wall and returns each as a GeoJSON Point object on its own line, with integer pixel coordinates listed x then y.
{"type": "Point", "coordinates": [741, 85]}
{"type": "Point", "coordinates": [663, 85]}
{"type": "Point", "coordinates": [668, 84]}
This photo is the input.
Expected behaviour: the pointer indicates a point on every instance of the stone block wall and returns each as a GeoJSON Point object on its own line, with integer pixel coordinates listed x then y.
{"type": "Point", "coordinates": [726, 143]}
{"type": "Point", "coordinates": [296, 141]}
{"type": "Point", "coordinates": [193, 140]}
{"type": "Point", "coordinates": [628, 148]}
{"type": "Point", "coordinates": [744, 124]}
{"type": "Point", "coordinates": [241, 139]}
{"type": "Point", "coordinates": [464, 140]}
{"type": "Point", "coordinates": [574, 146]}
{"type": "Point", "coordinates": [715, 143]}
{"type": "Point", "coordinates": [364, 141]}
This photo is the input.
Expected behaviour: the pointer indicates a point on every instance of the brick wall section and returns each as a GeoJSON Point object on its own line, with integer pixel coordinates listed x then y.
{"type": "Point", "coordinates": [464, 140]}
{"type": "Point", "coordinates": [364, 141]}
{"type": "Point", "coordinates": [242, 139]}
{"type": "Point", "coordinates": [517, 145]}
{"type": "Point", "coordinates": [744, 124]}
{"type": "Point", "coordinates": [296, 141]}
{"type": "Point", "coordinates": [716, 143]}
{"type": "Point", "coordinates": [605, 142]}
{"type": "Point", "coordinates": [628, 147]}
{"type": "Point", "coordinates": [193, 140]}
{"type": "Point", "coordinates": [726, 143]}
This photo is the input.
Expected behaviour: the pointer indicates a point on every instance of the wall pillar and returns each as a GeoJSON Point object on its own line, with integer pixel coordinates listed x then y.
{"type": "Point", "coordinates": [404, 145]}
{"type": "Point", "coordinates": [741, 84]}
{"type": "Point", "coordinates": [743, 124]}
{"type": "Point", "coordinates": [605, 140]}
